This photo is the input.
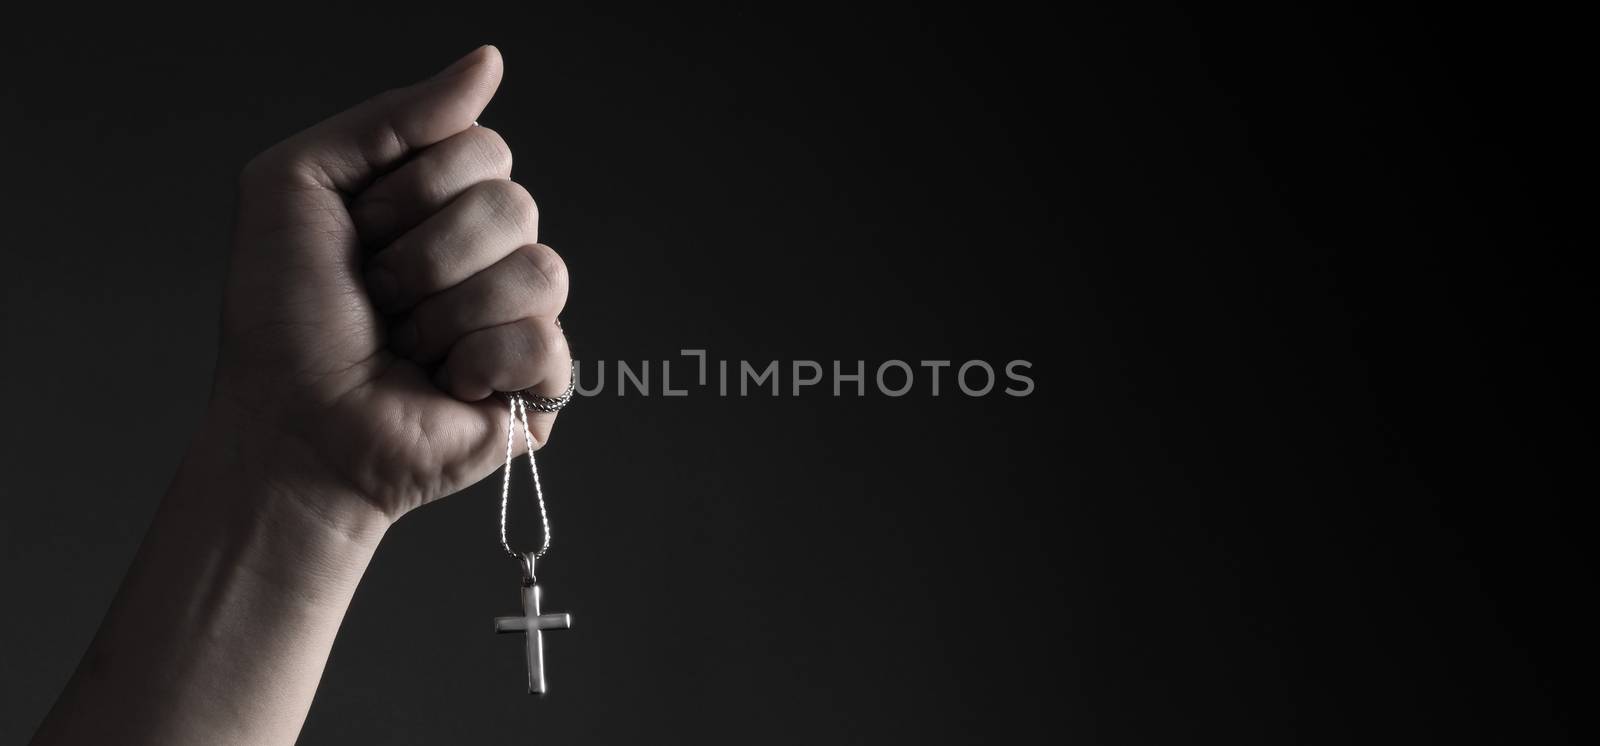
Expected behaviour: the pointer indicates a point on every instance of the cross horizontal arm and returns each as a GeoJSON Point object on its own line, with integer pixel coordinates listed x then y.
{"type": "Point", "coordinates": [552, 621]}
{"type": "Point", "coordinates": [510, 624]}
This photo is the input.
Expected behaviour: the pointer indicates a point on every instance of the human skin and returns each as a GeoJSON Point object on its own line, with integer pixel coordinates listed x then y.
{"type": "Point", "coordinates": [386, 281]}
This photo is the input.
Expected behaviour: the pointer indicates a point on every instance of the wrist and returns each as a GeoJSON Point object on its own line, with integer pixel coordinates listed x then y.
{"type": "Point", "coordinates": [279, 469]}
{"type": "Point", "coordinates": [288, 524]}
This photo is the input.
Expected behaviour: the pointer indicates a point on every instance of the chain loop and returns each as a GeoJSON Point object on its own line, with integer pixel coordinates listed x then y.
{"type": "Point", "coordinates": [519, 411]}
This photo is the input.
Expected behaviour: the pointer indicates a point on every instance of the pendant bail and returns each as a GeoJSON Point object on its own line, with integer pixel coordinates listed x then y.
{"type": "Point", "coordinates": [529, 575]}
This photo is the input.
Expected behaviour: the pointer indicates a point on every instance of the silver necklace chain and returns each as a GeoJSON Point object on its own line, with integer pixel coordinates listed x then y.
{"type": "Point", "coordinates": [519, 411]}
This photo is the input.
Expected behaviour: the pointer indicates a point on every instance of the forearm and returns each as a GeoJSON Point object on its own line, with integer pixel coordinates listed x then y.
{"type": "Point", "coordinates": [221, 629]}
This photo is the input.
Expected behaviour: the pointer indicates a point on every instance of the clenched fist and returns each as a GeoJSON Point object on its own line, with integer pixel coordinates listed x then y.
{"type": "Point", "coordinates": [387, 280]}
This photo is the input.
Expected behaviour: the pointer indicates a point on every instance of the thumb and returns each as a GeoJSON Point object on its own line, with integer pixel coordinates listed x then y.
{"type": "Point", "coordinates": [346, 152]}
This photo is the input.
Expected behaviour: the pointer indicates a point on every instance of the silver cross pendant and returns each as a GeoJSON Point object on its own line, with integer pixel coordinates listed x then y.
{"type": "Point", "coordinates": [533, 624]}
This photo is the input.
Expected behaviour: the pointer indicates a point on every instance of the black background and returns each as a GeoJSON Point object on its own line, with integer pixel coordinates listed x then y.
{"type": "Point", "coordinates": [1298, 288]}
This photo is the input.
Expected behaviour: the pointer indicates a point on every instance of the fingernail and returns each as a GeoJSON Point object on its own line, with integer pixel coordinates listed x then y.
{"type": "Point", "coordinates": [382, 287]}
{"type": "Point", "coordinates": [404, 338]}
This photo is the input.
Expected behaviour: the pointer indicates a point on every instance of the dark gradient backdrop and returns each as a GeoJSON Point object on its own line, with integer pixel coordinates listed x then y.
{"type": "Point", "coordinates": [1295, 286]}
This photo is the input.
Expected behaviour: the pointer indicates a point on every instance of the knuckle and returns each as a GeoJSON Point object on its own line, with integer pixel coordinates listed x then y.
{"type": "Point", "coordinates": [490, 149]}
{"type": "Point", "coordinates": [510, 202]}
{"type": "Point", "coordinates": [526, 352]}
{"type": "Point", "coordinates": [555, 342]}
{"type": "Point", "coordinates": [543, 341]}
{"type": "Point", "coordinates": [532, 347]}
{"type": "Point", "coordinates": [545, 271]}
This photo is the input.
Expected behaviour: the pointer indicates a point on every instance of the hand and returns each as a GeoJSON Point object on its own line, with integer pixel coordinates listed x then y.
{"type": "Point", "coordinates": [386, 281]}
